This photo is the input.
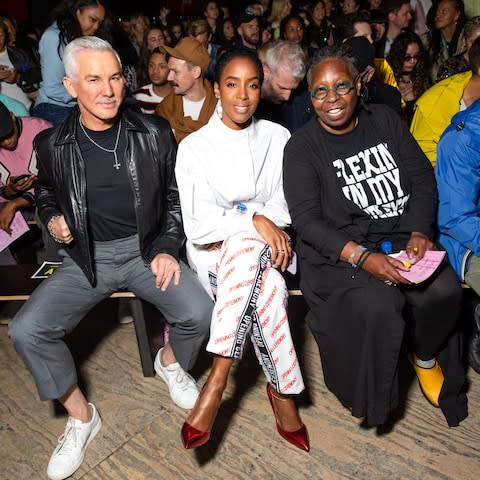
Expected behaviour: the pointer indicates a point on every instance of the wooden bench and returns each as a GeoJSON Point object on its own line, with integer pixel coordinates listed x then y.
{"type": "Point", "coordinates": [16, 285]}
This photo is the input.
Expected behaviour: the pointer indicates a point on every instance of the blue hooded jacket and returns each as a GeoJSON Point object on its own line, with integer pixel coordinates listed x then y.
{"type": "Point", "coordinates": [458, 183]}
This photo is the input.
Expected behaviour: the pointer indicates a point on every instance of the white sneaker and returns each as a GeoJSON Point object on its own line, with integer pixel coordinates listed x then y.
{"type": "Point", "coordinates": [181, 385]}
{"type": "Point", "coordinates": [70, 451]}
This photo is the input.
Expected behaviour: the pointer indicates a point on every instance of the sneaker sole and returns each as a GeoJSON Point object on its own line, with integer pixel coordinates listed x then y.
{"type": "Point", "coordinates": [92, 435]}
{"type": "Point", "coordinates": [159, 371]}
{"type": "Point", "coordinates": [125, 320]}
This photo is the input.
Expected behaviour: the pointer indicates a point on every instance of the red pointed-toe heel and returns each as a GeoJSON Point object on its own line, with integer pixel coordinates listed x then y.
{"type": "Point", "coordinates": [298, 438]}
{"type": "Point", "coordinates": [206, 407]}
{"type": "Point", "coordinates": [193, 438]}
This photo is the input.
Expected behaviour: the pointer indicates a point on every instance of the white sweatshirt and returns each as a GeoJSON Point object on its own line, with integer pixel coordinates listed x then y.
{"type": "Point", "coordinates": [217, 168]}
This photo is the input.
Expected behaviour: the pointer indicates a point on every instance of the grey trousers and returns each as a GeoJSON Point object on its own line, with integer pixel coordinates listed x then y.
{"type": "Point", "coordinates": [61, 301]}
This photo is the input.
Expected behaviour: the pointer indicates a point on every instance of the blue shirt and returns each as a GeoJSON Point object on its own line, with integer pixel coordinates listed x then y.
{"type": "Point", "coordinates": [51, 88]}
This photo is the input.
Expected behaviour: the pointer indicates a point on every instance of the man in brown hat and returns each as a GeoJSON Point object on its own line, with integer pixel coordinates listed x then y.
{"type": "Point", "coordinates": [192, 101]}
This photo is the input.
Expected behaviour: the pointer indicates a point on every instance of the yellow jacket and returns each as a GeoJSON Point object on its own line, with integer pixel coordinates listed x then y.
{"type": "Point", "coordinates": [385, 74]}
{"type": "Point", "coordinates": [434, 110]}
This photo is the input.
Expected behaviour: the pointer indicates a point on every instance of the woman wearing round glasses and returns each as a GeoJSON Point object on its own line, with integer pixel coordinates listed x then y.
{"type": "Point", "coordinates": [358, 187]}
{"type": "Point", "coordinates": [408, 60]}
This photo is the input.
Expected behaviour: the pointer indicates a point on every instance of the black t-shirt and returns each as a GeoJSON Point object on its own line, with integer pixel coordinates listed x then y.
{"type": "Point", "coordinates": [110, 198]}
{"type": "Point", "coordinates": [368, 174]}
{"type": "Point", "coordinates": [331, 206]}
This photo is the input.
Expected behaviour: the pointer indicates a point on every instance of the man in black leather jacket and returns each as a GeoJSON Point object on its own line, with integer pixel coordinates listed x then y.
{"type": "Point", "coordinates": [107, 193]}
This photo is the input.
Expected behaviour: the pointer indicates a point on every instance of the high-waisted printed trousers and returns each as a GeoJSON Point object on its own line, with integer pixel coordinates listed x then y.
{"type": "Point", "coordinates": [251, 299]}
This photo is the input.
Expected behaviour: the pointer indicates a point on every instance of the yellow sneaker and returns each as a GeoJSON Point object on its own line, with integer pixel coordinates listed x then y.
{"type": "Point", "coordinates": [430, 380]}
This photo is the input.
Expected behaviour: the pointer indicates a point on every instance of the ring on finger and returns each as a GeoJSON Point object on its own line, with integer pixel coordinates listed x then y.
{"type": "Point", "coordinates": [413, 249]}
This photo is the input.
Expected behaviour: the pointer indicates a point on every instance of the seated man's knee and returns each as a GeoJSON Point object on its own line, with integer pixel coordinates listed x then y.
{"type": "Point", "coordinates": [203, 315]}
{"type": "Point", "coordinates": [20, 330]}
{"type": "Point", "coordinates": [198, 314]}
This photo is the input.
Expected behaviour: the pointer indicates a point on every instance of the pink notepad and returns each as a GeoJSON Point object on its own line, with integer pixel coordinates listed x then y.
{"type": "Point", "coordinates": [423, 269]}
{"type": "Point", "coordinates": [18, 226]}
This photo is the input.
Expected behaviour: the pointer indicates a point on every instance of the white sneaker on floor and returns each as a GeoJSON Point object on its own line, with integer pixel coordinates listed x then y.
{"type": "Point", "coordinates": [182, 387]}
{"type": "Point", "coordinates": [70, 451]}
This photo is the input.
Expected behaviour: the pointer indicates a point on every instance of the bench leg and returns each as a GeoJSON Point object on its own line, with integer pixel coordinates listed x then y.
{"type": "Point", "coordinates": [143, 340]}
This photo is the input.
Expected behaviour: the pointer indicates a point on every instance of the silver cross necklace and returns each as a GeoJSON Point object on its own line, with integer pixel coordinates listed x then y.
{"type": "Point", "coordinates": [116, 165]}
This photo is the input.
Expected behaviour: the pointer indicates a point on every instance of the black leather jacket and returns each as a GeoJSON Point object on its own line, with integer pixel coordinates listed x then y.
{"type": "Point", "coordinates": [61, 188]}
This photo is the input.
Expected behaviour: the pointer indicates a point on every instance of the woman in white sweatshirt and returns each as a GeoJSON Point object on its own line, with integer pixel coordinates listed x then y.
{"type": "Point", "coordinates": [229, 176]}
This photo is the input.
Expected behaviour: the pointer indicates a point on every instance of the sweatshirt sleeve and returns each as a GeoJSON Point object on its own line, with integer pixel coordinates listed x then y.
{"type": "Point", "coordinates": [204, 220]}
{"type": "Point", "coordinates": [303, 190]}
{"type": "Point", "coordinates": [420, 214]}
{"type": "Point", "coordinates": [275, 207]}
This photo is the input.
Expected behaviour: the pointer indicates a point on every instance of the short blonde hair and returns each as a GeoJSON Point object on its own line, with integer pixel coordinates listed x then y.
{"type": "Point", "coordinates": [197, 27]}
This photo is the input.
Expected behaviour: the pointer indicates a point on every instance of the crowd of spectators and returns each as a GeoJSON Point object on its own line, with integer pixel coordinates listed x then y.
{"type": "Point", "coordinates": [433, 42]}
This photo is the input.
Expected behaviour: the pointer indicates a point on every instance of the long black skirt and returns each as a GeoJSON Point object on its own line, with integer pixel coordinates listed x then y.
{"type": "Point", "coordinates": [359, 324]}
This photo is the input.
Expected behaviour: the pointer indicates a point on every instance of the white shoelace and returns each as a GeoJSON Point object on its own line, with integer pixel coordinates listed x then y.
{"type": "Point", "coordinates": [68, 441]}
{"type": "Point", "coordinates": [183, 379]}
